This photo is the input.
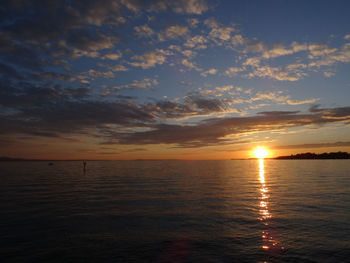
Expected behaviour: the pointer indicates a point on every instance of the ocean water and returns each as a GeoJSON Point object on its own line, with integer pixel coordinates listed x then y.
{"type": "Point", "coordinates": [175, 211]}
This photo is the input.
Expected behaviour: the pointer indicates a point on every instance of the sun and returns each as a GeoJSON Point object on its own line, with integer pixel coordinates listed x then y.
{"type": "Point", "coordinates": [260, 153]}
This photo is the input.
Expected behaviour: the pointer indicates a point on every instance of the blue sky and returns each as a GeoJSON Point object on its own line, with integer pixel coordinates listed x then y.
{"type": "Point", "coordinates": [152, 79]}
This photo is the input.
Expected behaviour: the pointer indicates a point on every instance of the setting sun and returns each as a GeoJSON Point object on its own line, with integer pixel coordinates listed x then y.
{"type": "Point", "coordinates": [260, 153]}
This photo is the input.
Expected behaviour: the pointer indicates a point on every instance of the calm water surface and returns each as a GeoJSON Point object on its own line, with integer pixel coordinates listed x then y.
{"type": "Point", "coordinates": [175, 211]}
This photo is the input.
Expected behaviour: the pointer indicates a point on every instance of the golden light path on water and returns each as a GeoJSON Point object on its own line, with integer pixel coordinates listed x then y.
{"type": "Point", "coordinates": [270, 240]}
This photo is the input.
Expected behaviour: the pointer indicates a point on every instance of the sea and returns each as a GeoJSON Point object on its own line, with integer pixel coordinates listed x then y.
{"type": "Point", "coordinates": [175, 211]}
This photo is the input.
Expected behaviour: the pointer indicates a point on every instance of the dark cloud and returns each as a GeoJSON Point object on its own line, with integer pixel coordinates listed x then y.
{"type": "Point", "coordinates": [57, 111]}
{"type": "Point", "coordinates": [27, 96]}
{"type": "Point", "coordinates": [36, 20]}
{"type": "Point", "coordinates": [277, 113]}
{"type": "Point", "coordinates": [194, 105]}
{"type": "Point", "coordinates": [52, 76]}
{"type": "Point", "coordinates": [187, 83]}
{"type": "Point", "coordinates": [124, 97]}
{"type": "Point", "coordinates": [340, 112]}
{"type": "Point", "coordinates": [204, 104]}
{"type": "Point", "coordinates": [313, 145]}
{"type": "Point", "coordinates": [68, 117]}
{"type": "Point", "coordinates": [34, 33]}
{"type": "Point", "coordinates": [90, 40]}
{"type": "Point", "coordinates": [216, 131]}
{"type": "Point", "coordinates": [170, 110]}
{"type": "Point", "coordinates": [7, 71]}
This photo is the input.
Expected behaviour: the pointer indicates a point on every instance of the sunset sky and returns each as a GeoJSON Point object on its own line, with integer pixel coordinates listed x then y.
{"type": "Point", "coordinates": [186, 79]}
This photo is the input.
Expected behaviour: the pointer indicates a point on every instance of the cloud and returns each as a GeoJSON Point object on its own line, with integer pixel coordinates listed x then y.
{"type": "Point", "coordinates": [225, 88]}
{"type": "Point", "coordinates": [57, 117]}
{"type": "Point", "coordinates": [298, 102]}
{"type": "Point", "coordinates": [277, 113]}
{"type": "Point", "coordinates": [99, 74]}
{"type": "Point", "coordinates": [238, 40]}
{"type": "Point", "coordinates": [274, 96]}
{"type": "Point", "coordinates": [187, 83]}
{"type": "Point", "coordinates": [196, 7]}
{"type": "Point", "coordinates": [86, 40]}
{"type": "Point", "coordinates": [277, 51]}
{"type": "Point", "coordinates": [190, 64]}
{"type": "Point", "coordinates": [191, 6]}
{"type": "Point", "coordinates": [312, 145]}
{"type": "Point", "coordinates": [146, 83]}
{"type": "Point", "coordinates": [196, 42]}
{"type": "Point", "coordinates": [277, 73]}
{"type": "Point", "coordinates": [211, 71]}
{"type": "Point", "coordinates": [233, 71]}
{"type": "Point", "coordinates": [328, 74]}
{"type": "Point", "coordinates": [205, 105]}
{"type": "Point", "coordinates": [317, 50]}
{"type": "Point", "coordinates": [340, 113]}
{"type": "Point", "coordinates": [280, 50]}
{"type": "Point", "coordinates": [55, 112]}
{"type": "Point", "coordinates": [119, 68]}
{"type": "Point", "coordinates": [253, 62]}
{"type": "Point", "coordinates": [133, 5]}
{"type": "Point", "coordinates": [150, 59]}
{"type": "Point", "coordinates": [280, 98]}
{"type": "Point", "coordinates": [217, 31]}
{"type": "Point", "coordinates": [173, 32]}
{"type": "Point", "coordinates": [193, 22]}
{"type": "Point", "coordinates": [143, 31]}
{"type": "Point", "coordinates": [53, 75]}
{"type": "Point", "coordinates": [113, 56]}
{"type": "Point", "coordinates": [329, 57]}
{"type": "Point", "coordinates": [105, 94]}
{"type": "Point", "coordinates": [165, 109]}
{"type": "Point", "coordinates": [189, 53]}
{"type": "Point", "coordinates": [220, 130]}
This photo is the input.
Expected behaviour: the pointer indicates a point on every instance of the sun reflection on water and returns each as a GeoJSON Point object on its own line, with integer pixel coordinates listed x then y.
{"type": "Point", "coordinates": [269, 236]}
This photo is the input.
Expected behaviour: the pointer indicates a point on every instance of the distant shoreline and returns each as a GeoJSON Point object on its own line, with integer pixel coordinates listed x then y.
{"type": "Point", "coordinates": [313, 156]}
{"type": "Point", "coordinates": [300, 156]}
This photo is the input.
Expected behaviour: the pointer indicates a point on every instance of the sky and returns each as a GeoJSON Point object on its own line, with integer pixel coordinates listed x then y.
{"type": "Point", "coordinates": [186, 79]}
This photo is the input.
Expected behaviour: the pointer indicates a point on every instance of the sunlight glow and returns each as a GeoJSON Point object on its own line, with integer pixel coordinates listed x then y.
{"type": "Point", "coordinates": [260, 153]}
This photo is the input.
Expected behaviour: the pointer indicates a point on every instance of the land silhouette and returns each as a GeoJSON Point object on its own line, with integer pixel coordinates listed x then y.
{"type": "Point", "coordinates": [299, 156]}
{"type": "Point", "coordinates": [308, 155]}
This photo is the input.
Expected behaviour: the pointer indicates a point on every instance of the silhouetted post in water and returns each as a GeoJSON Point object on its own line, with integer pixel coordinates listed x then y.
{"type": "Point", "coordinates": [84, 164]}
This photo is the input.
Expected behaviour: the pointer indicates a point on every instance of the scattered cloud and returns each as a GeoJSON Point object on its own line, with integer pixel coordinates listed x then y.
{"type": "Point", "coordinates": [328, 74]}
{"type": "Point", "coordinates": [99, 74]}
{"type": "Point", "coordinates": [277, 73]}
{"type": "Point", "coordinates": [298, 102]}
{"type": "Point", "coordinates": [219, 32]}
{"type": "Point", "coordinates": [196, 7]}
{"type": "Point", "coordinates": [146, 83]}
{"type": "Point", "coordinates": [173, 32]}
{"type": "Point", "coordinates": [187, 83]}
{"type": "Point", "coordinates": [193, 22]}
{"type": "Point", "coordinates": [69, 67]}
{"type": "Point", "coordinates": [211, 71]}
{"type": "Point", "coordinates": [196, 42]}
{"type": "Point", "coordinates": [119, 68]}
{"type": "Point", "coordinates": [233, 71]}
{"type": "Point", "coordinates": [150, 59]}
{"type": "Point", "coordinates": [190, 64]}
{"type": "Point", "coordinates": [113, 56]}
{"type": "Point", "coordinates": [144, 31]}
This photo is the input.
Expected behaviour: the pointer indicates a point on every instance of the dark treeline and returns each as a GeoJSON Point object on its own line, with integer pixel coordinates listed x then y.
{"type": "Point", "coordinates": [333, 155]}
